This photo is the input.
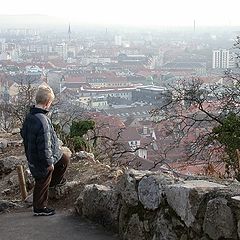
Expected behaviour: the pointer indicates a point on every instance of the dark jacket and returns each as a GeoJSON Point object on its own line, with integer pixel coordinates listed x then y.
{"type": "Point", "coordinates": [40, 142]}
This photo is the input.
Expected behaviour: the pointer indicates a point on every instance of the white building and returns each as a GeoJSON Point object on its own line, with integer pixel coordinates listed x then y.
{"type": "Point", "coordinates": [2, 44]}
{"type": "Point", "coordinates": [33, 70]}
{"type": "Point", "coordinates": [118, 40]}
{"type": "Point", "coordinates": [99, 102]}
{"type": "Point", "coordinates": [61, 50]}
{"type": "Point", "coordinates": [221, 58]}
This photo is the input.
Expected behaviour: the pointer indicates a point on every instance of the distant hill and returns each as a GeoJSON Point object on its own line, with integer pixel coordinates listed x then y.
{"type": "Point", "coordinates": [25, 21]}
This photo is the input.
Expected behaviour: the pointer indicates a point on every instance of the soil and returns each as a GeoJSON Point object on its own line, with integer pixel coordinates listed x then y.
{"type": "Point", "coordinates": [84, 171]}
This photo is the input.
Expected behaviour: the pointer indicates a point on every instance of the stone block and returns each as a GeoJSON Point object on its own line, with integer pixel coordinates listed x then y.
{"type": "Point", "coordinates": [8, 164]}
{"type": "Point", "coordinates": [151, 189]}
{"type": "Point", "coordinates": [185, 198]}
{"type": "Point", "coordinates": [101, 204]}
{"type": "Point", "coordinates": [7, 205]}
{"type": "Point", "coordinates": [238, 229]}
{"type": "Point", "coordinates": [135, 229]}
{"type": "Point", "coordinates": [128, 185]}
{"type": "Point", "coordinates": [219, 221]}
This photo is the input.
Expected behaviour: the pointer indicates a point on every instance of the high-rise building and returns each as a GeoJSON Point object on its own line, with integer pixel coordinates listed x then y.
{"type": "Point", "coordinates": [61, 49]}
{"type": "Point", "coordinates": [220, 58]}
{"type": "Point", "coordinates": [118, 40]}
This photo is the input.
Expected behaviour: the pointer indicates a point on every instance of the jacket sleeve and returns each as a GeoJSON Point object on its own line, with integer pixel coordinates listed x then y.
{"type": "Point", "coordinates": [43, 141]}
{"type": "Point", "coordinates": [23, 134]}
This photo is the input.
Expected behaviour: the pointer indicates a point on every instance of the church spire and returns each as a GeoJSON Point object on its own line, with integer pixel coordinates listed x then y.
{"type": "Point", "coordinates": [69, 32]}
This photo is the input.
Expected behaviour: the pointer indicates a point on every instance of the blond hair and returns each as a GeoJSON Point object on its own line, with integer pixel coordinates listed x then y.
{"type": "Point", "coordinates": [44, 94]}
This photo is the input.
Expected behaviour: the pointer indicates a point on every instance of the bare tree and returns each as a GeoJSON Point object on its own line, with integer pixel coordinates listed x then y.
{"type": "Point", "coordinates": [62, 115]}
{"type": "Point", "coordinates": [195, 114]}
{"type": "Point", "coordinates": [15, 109]}
{"type": "Point", "coordinates": [109, 146]}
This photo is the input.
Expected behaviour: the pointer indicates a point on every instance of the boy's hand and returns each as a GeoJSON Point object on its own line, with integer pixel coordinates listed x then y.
{"type": "Point", "coordinates": [50, 168]}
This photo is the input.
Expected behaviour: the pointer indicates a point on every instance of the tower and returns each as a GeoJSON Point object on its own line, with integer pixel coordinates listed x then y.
{"type": "Point", "coordinates": [69, 33]}
{"type": "Point", "coordinates": [118, 40]}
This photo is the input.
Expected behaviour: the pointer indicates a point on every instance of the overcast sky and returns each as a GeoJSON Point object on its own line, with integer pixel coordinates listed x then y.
{"type": "Point", "coordinates": [132, 12]}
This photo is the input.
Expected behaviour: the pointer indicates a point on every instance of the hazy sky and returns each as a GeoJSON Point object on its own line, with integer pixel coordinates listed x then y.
{"type": "Point", "coordinates": [132, 12]}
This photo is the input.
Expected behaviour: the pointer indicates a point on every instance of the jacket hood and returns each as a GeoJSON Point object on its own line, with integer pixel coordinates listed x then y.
{"type": "Point", "coordinates": [35, 110]}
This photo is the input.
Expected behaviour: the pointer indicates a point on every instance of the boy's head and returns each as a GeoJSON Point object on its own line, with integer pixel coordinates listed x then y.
{"type": "Point", "coordinates": [44, 96]}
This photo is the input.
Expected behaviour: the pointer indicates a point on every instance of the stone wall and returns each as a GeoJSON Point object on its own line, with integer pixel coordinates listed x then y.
{"type": "Point", "coordinates": [156, 206]}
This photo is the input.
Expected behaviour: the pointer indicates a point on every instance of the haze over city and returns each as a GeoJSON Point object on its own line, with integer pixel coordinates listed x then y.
{"type": "Point", "coordinates": [120, 86]}
{"type": "Point", "coordinates": [116, 62]}
{"type": "Point", "coordinates": [131, 13]}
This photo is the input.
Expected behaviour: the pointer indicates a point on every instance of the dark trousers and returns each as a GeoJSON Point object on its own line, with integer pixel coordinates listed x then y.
{"type": "Point", "coordinates": [40, 192]}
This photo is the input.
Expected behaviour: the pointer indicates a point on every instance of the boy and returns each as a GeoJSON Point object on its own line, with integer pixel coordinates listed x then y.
{"type": "Point", "coordinates": [46, 161]}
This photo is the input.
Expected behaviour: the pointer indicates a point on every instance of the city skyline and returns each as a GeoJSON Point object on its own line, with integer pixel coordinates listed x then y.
{"type": "Point", "coordinates": [132, 13]}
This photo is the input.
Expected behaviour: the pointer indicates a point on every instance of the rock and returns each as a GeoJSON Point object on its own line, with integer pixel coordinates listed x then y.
{"type": "Point", "coordinates": [150, 193]}
{"type": "Point", "coordinates": [67, 151]}
{"type": "Point", "coordinates": [138, 174]}
{"type": "Point", "coordinates": [6, 191]}
{"type": "Point", "coordinates": [3, 144]}
{"type": "Point", "coordinates": [9, 164]}
{"type": "Point", "coordinates": [62, 191]}
{"type": "Point", "coordinates": [79, 204]}
{"type": "Point", "coordinates": [29, 179]}
{"type": "Point", "coordinates": [134, 229]}
{"type": "Point", "coordinates": [15, 143]}
{"type": "Point", "coordinates": [128, 185]}
{"type": "Point", "coordinates": [150, 205]}
{"type": "Point", "coordinates": [164, 229]}
{"type": "Point", "coordinates": [29, 199]}
{"type": "Point", "coordinates": [184, 237]}
{"type": "Point", "coordinates": [205, 238]}
{"type": "Point", "coordinates": [150, 190]}
{"type": "Point", "coordinates": [236, 198]}
{"type": "Point", "coordinates": [123, 218]}
{"type": "Point", "coordinates": [186, 197]}
{"type": "Point", "coordinates": [128, 190]}
{"type": "Point", "coordinates": [238, 229]}
{"type": "Point", "coordinates": [2, 130]}
{"type": "Point", "coordinates": [15, 130]}
{"type": "Point", "coordinates": [236, 201]}
{"type": "Point", "coordinates": [115, 174]}
{"type": "Point", "coordinates": [28, 202]}
{"type": "Point", "coordinates": [219, 222]}
{"type": "Point", "coordinates": [7, 205]}
{"type": "Point", "coordinates": [84, 155]}
{"type": "Point", "coordinates": [101, 204]}
{"type": "Point", "coordinates": [13, 181]}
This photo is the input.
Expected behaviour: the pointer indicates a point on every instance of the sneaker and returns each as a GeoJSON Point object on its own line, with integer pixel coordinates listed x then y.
{"type": "Point", "coordinates": [44, 212]}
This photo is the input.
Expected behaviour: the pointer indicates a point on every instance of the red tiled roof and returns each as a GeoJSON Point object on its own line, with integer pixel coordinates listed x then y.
{"type": "Point", "coordinates": [75, 79]}
{"type": "Point", "coordinates": [107, 121]}
{"type": "Point", "coordinates": [130, 134]}
{"type": "Point", "coordinates": [57, 63]}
